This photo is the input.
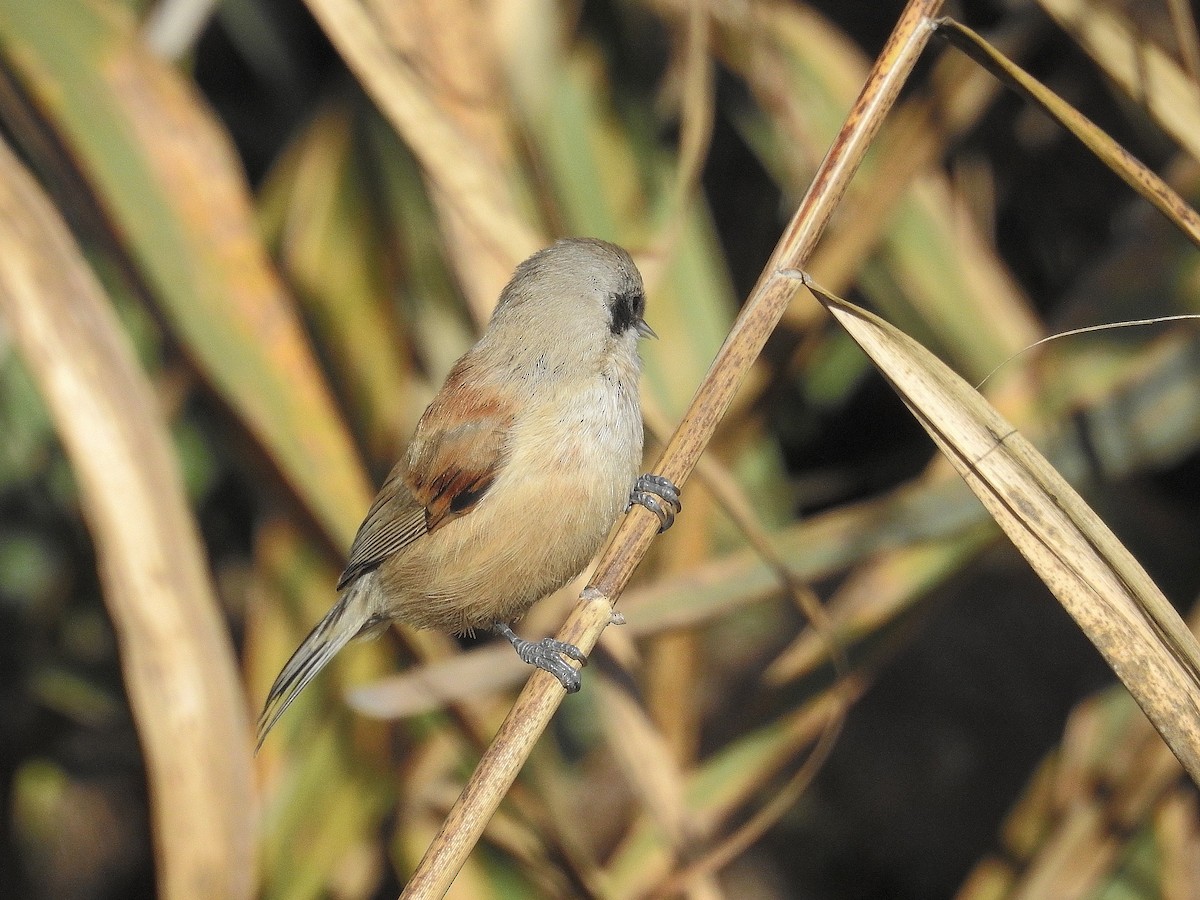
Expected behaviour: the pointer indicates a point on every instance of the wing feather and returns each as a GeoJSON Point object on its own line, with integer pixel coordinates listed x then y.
{"type": "Point", "coordinates": [394, 521]}
{"type": "Point", "coordinates": [460, 448]}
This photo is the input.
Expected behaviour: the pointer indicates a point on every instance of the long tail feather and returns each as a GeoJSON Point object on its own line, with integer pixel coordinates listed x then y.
{"type": "Point", "coordinates": [340, 626]}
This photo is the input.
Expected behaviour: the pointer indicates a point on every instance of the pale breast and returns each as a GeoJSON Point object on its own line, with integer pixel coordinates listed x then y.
{"type": "Point", "coordinates": [572, 465]}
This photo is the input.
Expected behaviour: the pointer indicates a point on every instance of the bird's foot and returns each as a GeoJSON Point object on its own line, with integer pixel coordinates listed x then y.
{"type": "Point", "coordinates": [547, 654]}
{"type": "Point", "coordinates": [659, 496]}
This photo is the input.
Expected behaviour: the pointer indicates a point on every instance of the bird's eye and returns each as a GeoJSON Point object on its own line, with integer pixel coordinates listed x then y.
{"type": "Point", "coordinates": [626, 310]}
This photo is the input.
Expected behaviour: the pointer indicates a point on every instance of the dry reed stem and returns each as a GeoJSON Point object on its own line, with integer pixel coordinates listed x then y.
{"type": "Point", "coordinates": [536, 704]}
{"type": "Point", "coordinates": [917, 136]}
{"type": "Point", "coordinates": [178, 664]}
{"type": "Point", "coordinates": [695, 79]}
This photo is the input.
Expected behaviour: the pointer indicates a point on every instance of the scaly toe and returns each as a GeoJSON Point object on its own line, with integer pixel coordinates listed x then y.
{"type": "Point", "coordinates": [663, 487]}
{"type": "Point", "coordinates": [659, 496]}
{"type": "Point", "coordinates": [547, 654]}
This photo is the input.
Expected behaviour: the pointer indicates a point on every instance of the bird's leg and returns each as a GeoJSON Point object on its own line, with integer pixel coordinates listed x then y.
{"type": "Point", "coordinates": [547, 654]}
{"type": "Point", "coordinates": [659, 496]}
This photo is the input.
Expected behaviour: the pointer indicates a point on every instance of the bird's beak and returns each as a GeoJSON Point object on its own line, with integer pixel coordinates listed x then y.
{"type": "Point", "coordinates": [644, 329]}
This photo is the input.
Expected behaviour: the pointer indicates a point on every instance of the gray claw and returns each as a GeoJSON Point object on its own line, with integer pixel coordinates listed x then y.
{"type": "Point", "coordinates": [547, 654]}
{"type": "Point", "coordinates": [651, 491]}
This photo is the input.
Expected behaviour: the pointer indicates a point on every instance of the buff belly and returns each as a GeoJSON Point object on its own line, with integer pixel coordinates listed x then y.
{"type": "Point", "coordinates": [474, 572]}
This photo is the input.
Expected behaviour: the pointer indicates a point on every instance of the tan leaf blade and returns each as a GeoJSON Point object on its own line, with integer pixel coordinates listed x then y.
{"type": "Point", "coordinates": [1130, 169]}
{"type": "Point", "coordinates": [176, 656]}
{"type": "Point", "coordinates": [142, 142]}
{"type": "Point", "coordinates": [1091, 573]}
{"type": "Point", "coordinates": [1112, 35]}
{"type": "Point", "coordinates": [473, 187]}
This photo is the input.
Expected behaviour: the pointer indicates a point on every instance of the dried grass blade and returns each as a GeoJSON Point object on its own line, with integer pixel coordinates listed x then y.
{"type": "Point", "coordinates": [88, 101]}
{"type": "Point", "coordinates": [1184, 23]}
{"type": "Point", "coordinates": [1130, 169]}
{"type": "Point", "coordinates": [1098, 582]}
{"type": "Point", "coordinates": [467, 181]}
{"type": "Point", "coordinates": [1102, 792]}
{"type": "Point", "coordinates": [1142, 69]}
{"type": "Point", "coordinates": [644, 757]}
{"type": "Point", "coordinates": [178, 664]}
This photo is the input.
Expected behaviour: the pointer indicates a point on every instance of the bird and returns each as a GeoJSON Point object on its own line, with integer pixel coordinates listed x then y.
{"type": "Point", "coordinates": [515, 475]}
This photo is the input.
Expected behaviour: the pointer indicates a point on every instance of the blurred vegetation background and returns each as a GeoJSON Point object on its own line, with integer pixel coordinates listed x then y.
{"type": "Point", "coordinates": [287, 219]}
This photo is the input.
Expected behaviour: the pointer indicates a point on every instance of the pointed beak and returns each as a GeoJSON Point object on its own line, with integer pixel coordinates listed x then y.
{"type": "Point", "coordinates": [645, 330]}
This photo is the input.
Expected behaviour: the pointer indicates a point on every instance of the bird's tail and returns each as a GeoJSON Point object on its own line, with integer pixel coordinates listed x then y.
{"type": "Point", "coordinates": [350, 616]}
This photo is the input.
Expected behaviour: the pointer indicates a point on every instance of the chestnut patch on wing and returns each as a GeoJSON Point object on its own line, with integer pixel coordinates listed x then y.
{"type": "Point", "coordinates": [460, 448]}
{"type": "Point", "coordinates": [455, 494]}
{"type": "Point", "coordinates": [468, 497]}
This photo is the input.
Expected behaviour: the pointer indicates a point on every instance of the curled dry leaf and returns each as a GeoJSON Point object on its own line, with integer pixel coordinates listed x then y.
{"type": "Point", "coordinates": [1098, 582]}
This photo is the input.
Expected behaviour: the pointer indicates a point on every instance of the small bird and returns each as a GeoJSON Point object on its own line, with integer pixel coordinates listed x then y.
{"type": "Point", "coordinates": [515, 475]}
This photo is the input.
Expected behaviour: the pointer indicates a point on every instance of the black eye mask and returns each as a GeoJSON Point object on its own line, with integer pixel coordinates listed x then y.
{"type": "Point", "coordinates": [626, 310]}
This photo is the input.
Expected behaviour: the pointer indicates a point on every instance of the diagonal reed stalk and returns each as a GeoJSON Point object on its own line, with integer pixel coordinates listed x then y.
{"type": "Point", "coordinates": [537, 703]}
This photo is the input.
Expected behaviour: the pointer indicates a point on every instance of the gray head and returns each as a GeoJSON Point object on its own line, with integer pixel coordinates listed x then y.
{"type": "Point", "coordinates": [582, 292]}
